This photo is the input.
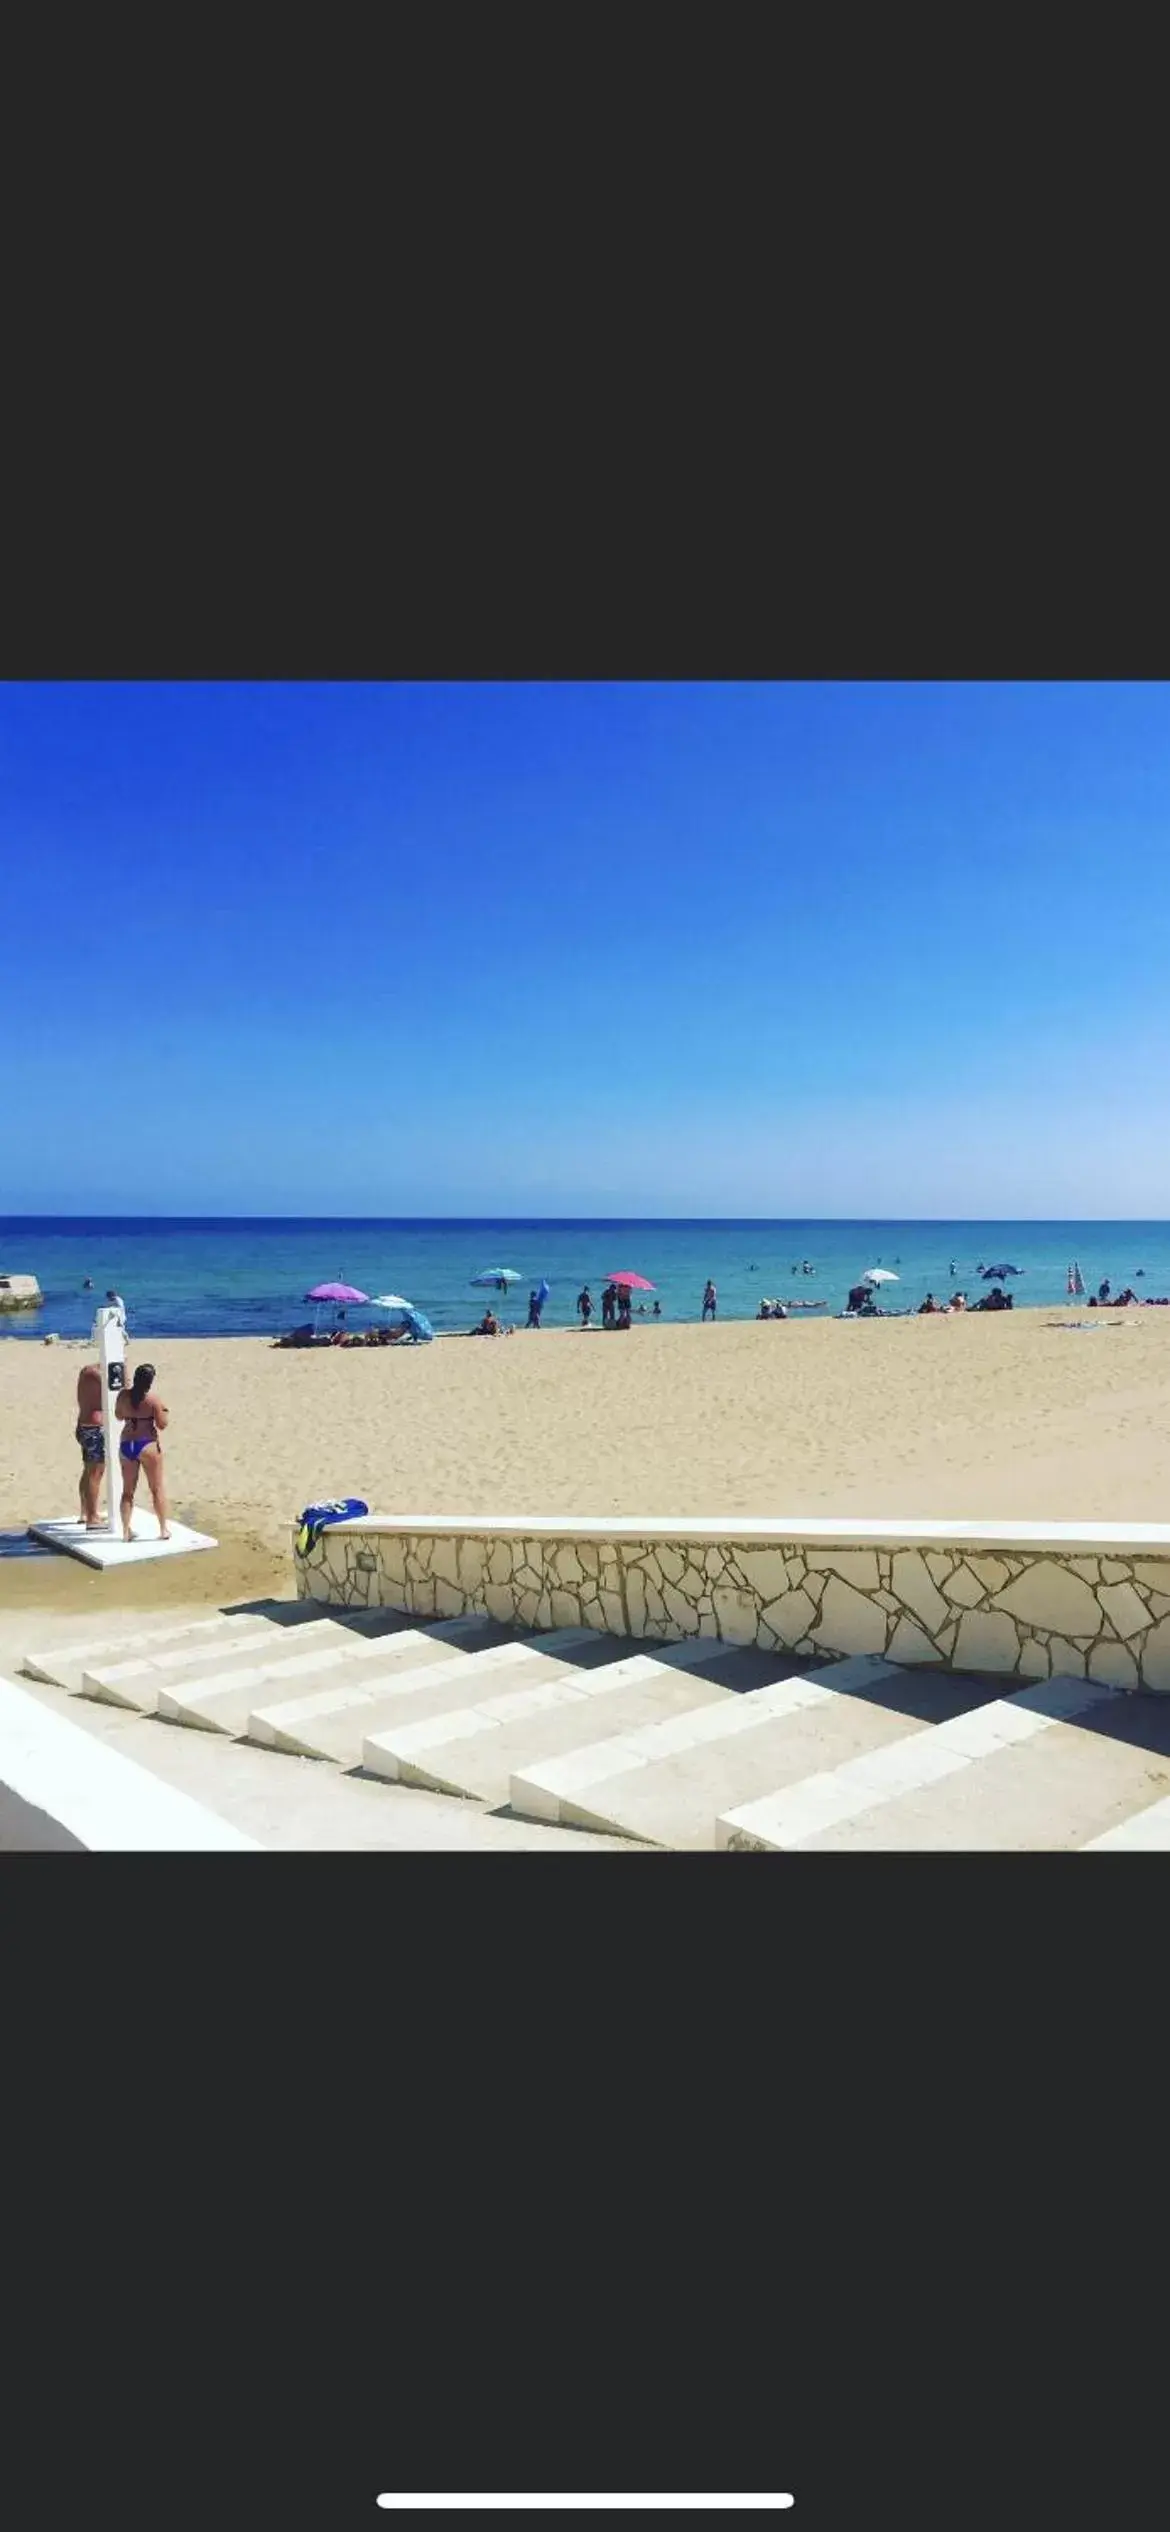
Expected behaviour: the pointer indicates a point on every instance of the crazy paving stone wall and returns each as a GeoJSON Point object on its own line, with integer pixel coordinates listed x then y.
{"type": "Point", "coordinates": [1037, 1615]}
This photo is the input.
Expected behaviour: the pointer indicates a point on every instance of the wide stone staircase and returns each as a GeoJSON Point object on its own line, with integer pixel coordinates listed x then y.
{"type": "Point", "coordinates": [366, 1729]}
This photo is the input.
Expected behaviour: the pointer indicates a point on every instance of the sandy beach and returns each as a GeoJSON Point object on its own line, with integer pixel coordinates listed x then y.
{"type": "Point", "coordinates": [1017, 1415]}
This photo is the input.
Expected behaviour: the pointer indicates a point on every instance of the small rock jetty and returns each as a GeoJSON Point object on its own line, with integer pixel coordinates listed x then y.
{"type": "Point", "coordinates": [20, 1292]}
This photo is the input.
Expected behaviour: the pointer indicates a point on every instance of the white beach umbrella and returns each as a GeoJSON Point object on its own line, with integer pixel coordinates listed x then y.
{"type": "Point", "coordinates": [880, 1275]}
{"type": "Point", "coordinates": [390, 1301]}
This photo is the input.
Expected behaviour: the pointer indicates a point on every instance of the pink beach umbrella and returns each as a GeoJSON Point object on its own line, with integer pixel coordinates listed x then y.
{"type": "Point", "coordinates": [634, 1283]}
{"type": "Point", "coordinates": [340, 1293]}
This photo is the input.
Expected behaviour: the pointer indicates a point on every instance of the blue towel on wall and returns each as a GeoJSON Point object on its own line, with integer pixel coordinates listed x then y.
{"type": "Point", "coordinates": [317, 1517]}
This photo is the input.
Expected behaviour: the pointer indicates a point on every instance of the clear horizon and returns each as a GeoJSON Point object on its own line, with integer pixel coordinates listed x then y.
{"type": "Point", "coordinates": [716, 1221]}
{"type": "Point", "coordinates": [736, 952]}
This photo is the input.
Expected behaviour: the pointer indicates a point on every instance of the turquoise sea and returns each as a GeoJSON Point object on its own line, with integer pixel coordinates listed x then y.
{"type": "Point", "coordinates": [248, 1278]}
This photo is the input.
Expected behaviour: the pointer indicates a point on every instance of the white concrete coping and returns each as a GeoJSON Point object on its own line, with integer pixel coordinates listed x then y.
{"type": "Point", "coordinates": [1073, 1536]}
{"type": "Point", "coordinates": [63, 1790]}
{"type": "Point", "coordinates": [1145, 1832]}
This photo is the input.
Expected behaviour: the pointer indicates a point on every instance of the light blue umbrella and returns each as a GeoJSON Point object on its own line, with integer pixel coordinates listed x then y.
{"type": "Point", "coordinates": [498, 1276]}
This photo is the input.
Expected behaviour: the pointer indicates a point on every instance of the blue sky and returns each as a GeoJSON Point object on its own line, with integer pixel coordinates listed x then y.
{"type": "Point", "coordinates": [679, 949]}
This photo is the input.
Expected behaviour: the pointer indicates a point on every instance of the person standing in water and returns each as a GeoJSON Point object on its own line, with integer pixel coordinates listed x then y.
{"type": "Point", "coordinates": [146, 1419]}
{"type": "Point", "coordinates": [710, 1299]}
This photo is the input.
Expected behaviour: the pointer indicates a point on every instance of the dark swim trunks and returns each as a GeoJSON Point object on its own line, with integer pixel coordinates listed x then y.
{"type": "Point", "coordinates": [93, 1443]}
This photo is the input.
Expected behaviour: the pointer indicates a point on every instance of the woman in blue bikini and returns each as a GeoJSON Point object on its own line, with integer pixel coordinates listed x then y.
{"type": "Point", "coordinates": [145, 1418]}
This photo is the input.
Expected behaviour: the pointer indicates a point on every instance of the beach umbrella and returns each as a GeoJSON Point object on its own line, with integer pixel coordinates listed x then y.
{"type": "Point", "coordinates": [543, 1288]}
{"type": "Point", "coordinates": [880, 1275]}
{"type": "Point", "coordinates": [634, 1283]}
{"type": "Point", "coordinates": [340, 1293]}
{"type": "Point", "coordinates": [499, 1276]}
{"type": "Point", "coordinates": [419, 1325]}
{"type": "Point", "coordinates": [390, 1301]}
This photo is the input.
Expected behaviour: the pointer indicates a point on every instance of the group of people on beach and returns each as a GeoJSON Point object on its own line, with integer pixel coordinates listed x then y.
{"type": "Point", "coordinates": [996, 1299]}
{"type": "Point", "coordinates": [618, 1309]}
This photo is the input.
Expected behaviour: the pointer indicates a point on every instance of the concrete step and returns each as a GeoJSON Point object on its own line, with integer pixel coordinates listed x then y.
{"type": "Point", "coordinates": [473, 1748]}
{"type": "Point", "coordinates": [64, 1663]}
{"type": "Point", "coordinates": [1051, 1767]}
{"type": "Point", "coordinates": [150, 1685]}
{"type": "Point", "coordinates": [1144, 1833]}
{"type": "Point", "coordinates": [664, 1781]}
{"type": "Point", "coordinates": [335, 1722]}
{"type": "Point", "coordinates": [224, 1700]}
{"type": "Point", "coordinates": [137, 1679]}
{"type": "Point", "coordinates": [61, 1791]}
{"type": "Point", "coordinates": [293, 1805]}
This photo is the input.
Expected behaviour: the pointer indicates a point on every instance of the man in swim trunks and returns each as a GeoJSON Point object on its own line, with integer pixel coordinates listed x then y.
{"type": "Point", "coordinates": [90, 1432]}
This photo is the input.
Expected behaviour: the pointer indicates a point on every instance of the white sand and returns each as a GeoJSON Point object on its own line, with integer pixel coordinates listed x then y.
{"type": "Point", "coordinates": [1009, 1415]}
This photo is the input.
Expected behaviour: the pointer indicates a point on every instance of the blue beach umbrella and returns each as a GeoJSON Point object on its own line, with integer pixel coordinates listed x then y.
{"type": "Point", "coordinates": [543, 1288]}
{"type": "Point", "coordinates": [499, 1277]}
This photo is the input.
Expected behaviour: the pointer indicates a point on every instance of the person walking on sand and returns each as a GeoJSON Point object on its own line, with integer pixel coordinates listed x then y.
{"type": "Point", "coordinates": [91, 1434]}
{"type": "Point", "coordinates": [585, 1305]}
{"type": "Point", "coordinates": [710, 1299]}
{"type": "Point", "coordinates": [145, 1419]}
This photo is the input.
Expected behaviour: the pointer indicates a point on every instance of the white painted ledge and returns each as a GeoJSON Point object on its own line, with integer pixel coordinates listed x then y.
{"type": "Point", "coordinates": [63, 1791]}
{"type": "Point", "coordinates": [1076, 1536]}
{"type": "Point", "coordinates": [96, 1547]}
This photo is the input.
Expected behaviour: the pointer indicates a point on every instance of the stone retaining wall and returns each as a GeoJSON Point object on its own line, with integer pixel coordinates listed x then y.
{"type": "Point", "coordinates": [1034, 1600]}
